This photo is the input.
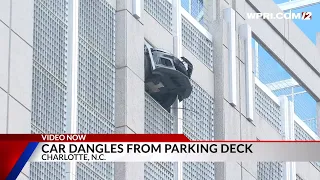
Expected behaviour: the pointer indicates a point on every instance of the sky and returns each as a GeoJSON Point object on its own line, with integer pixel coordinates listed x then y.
{"type": "Point", "coordinates": [310, 28]}
{"type": "Point", "coordinates": [271, 70]}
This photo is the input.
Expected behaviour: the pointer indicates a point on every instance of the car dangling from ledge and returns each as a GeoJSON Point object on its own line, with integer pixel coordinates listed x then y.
{"type": "Point", "coordinates": [166, 77]}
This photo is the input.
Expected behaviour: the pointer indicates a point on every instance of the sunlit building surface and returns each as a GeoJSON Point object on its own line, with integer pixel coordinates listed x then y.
{"type": "Point", "coordinates": [77, 66]}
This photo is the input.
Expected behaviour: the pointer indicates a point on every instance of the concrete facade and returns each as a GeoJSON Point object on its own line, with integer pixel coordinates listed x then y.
{"type": "Point", "coordinates": [16, 48]}
{"type": "Point", "coordinates": [16, 66]}
{"type": "Point", "coordinates": [123, 68]}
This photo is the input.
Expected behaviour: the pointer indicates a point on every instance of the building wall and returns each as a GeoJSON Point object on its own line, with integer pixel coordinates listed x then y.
{"type": "Point", "coordinates": [267, 120]}
{"type": "Point", "coordinates": [16, 65]}
{"type": "Point", "coordinates": [96, 79]}
{"type": "Point", "coordinates": [49, 82]}
{"type": "Point", "coordinates": [16, 43]}
{"type": "Point", "coordinates": [111, 97]}
{"type": "Point", "coordinates": [158, 23]}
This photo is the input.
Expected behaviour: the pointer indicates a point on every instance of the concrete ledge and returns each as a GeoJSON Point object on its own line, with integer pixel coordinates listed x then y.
{"type": "Point", "coordinates": [306, 170]}
{"type": "Point", "coordinates": [129, 100]}
{"type": "Point", "coordinates": [201, 74]}
{"type": "Point", "coordinates": [153, 30]}
{"type": "Point", "coordinates": [129, 43]}
{"type": "Point", "coordinates": [248, 176]}
{"type": "Point", "coordinates": [113, 3]}
{"type": "Point", "coordinates": [126, 5]}
{"type": "Point", "coordinates": [248, 132]}
{"type": "Point", "coordinates": [132, 170]}
{"type": "Point", "coordinates": [265, 131]}
{"type": "Point", "coordinates": [268, 6]}
{"type": "Point", "coordinates": [304, 45]}
{"type": "Point", "coordinates": [227, 171]}
{"type": "Point", "coordinates": [123, 130]}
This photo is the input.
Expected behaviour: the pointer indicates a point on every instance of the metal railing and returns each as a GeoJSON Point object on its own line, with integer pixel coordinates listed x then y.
{"type": "Point", "coordinates": [280, 82]}
{"type": "Point", "coordinates": [275, 81]}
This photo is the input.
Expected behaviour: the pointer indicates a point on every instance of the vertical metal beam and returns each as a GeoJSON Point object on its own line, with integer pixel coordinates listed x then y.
{"type": "Point", "coordinates": [318, 41]}
{"type": "Point", "coordinates": [291, 136]}
{"type": "Point", "coordinates": [177, 46]}
{"type": "Point", "coordinates": [177, 51]}
{"type": "Point", "coordinates": [136, 8]}
{"type": "Point", "coordinates": [229, 16]}
{"type": "Point", "coordinates": [256, 58]}
{"type": "Point", "coordinates": [318, 103]}
{"type": "Point", "coordinates": [318, 118]}
{"type": "Point", "coordinates": [245, 34]}
{"type": "Point", "coordinates": [72, 78]}
{"type": "Point", "coordinates": [287, 119]}
{"type": "Point", "coordinates": [284, 110]}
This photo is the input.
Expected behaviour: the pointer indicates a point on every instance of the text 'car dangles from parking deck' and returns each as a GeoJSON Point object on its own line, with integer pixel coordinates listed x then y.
{"type": "Point", "coordinates": [166, 77]}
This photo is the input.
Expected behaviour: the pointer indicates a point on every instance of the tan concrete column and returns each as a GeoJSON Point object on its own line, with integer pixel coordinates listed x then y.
{"type": "Point", "coordinates": [227, 116]}
{"type": "Point", "coordinates": [129, 112]}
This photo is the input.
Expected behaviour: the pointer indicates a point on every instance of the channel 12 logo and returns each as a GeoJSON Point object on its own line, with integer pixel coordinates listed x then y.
{"type": "Point", "coordinates": [306, 15]}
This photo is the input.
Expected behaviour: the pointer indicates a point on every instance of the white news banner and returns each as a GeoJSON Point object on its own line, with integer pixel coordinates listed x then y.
{"type": "Point", "coordinates": [176, 152]}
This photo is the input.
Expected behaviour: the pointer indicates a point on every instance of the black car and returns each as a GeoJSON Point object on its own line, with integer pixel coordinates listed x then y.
{"type": "Point", "coordinates": [166, 77]}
